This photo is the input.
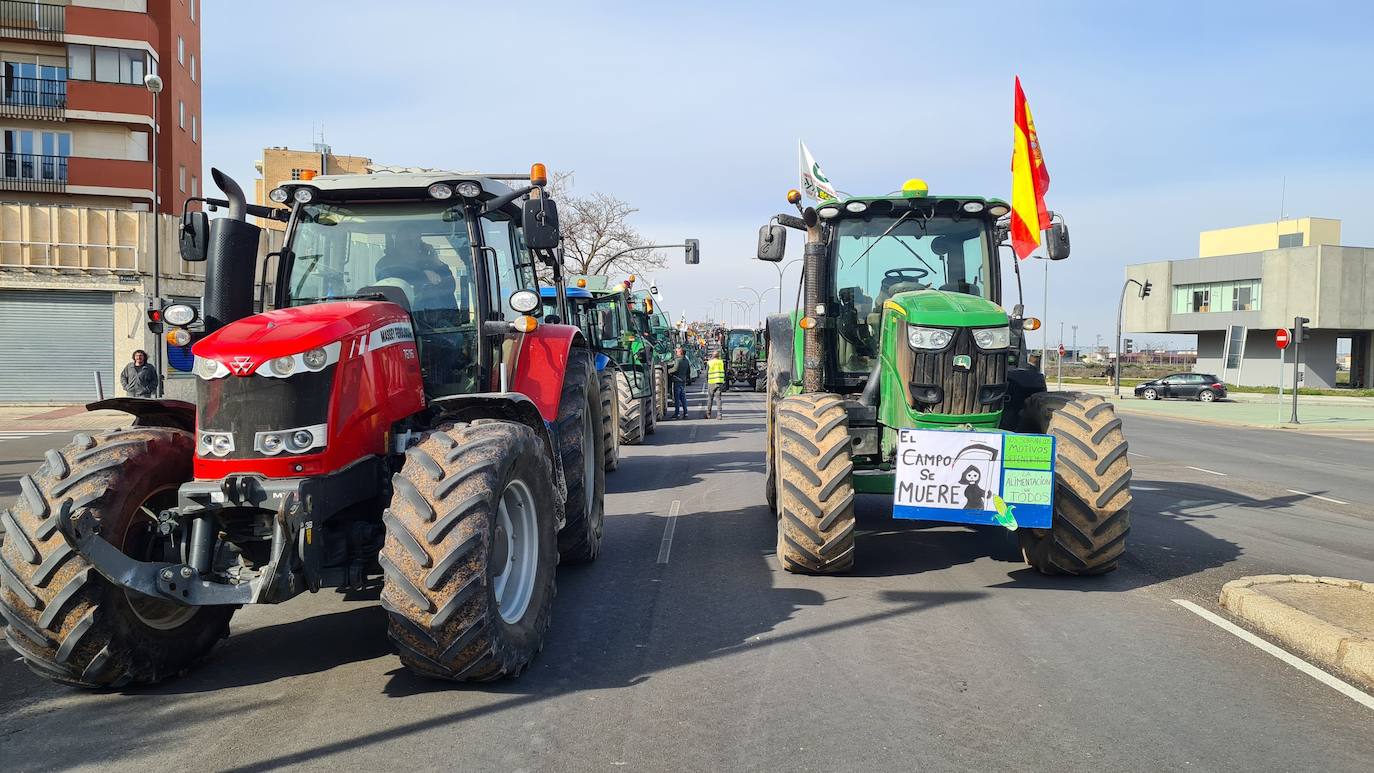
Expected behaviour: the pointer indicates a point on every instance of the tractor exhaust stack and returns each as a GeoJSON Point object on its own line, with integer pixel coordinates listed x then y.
{"type": "Point", "coordinates": [232, 254]}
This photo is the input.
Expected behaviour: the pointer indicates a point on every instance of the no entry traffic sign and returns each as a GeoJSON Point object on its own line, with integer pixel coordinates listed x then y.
{"type": "Point", "coordinates": [1281, 338]}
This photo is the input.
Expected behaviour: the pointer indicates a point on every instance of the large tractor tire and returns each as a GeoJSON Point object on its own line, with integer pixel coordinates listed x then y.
{"type": "Point", "coordinates": [67, 621]}
{"type": "Point", "coordinates": [1092, 492]}
{"type": "Point", "coordinates": [651, 404]}
{"type": "Point", "coordinates": [610, 418]}
{"type": "Point", "coordinates": [660, 393]}
{"type": "Point", "coordinates": [470, 551]}
{"type": "Point", "coordinates": [816, 486]}
{"type": "Point", "coordinates": [582, 450]}
{"type": "Point", "coordinates": [631, 411]}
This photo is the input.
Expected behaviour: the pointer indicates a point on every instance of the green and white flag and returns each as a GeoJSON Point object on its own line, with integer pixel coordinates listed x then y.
{"type": "Point", "coordinates": [814, 184]}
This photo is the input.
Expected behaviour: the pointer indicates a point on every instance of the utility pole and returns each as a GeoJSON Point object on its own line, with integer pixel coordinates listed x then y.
{"type": "Point", "coordinates": [1119, 308]}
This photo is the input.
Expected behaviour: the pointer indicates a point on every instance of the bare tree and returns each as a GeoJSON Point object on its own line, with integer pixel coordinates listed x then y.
{"type": "Point", "coordinates": [596, 229]}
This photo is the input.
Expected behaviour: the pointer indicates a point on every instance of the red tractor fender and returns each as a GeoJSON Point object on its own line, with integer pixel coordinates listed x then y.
{"type": "Point", "coordinates": [540, 364]}
{"type": "Point", "coordinates": [150, 412]}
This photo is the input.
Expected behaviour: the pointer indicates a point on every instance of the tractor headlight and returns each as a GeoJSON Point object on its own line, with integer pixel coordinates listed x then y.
{"type": "Point", "coordinates": [215, 444]}
{"type": "Point", "coordinates": [315, 359]}
{"type": "Point", "coordinates": [441, 191]}
{"type": "Point", "coordinates": [292, 441]}
{"type": "Point", "coordinates": [928, 337]}
{"type": "Point", "coordinates": [303, 195]}
{"type": "Point", "coordinates": [179, 314]}
{"type": "Point", "coordinates": [282, 366]}
{"type": "Point", "coordinates": [992, 337]}
{"type": "Point", "coordinates": [469, 189]}
{"type": "Point", "coordinates": [209, 369]}
{"type": "Point", "coordinates": [279, 195]}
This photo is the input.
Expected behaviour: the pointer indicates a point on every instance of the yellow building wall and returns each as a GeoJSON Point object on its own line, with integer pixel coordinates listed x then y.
{"type": "Point", "coordinates": [1265, 236]}
{"type": "Point", "coordinates": [277, 164]}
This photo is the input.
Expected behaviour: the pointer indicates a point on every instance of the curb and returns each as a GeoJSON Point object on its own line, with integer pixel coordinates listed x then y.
{"type": "Point", "coordinates": [1337, 647]}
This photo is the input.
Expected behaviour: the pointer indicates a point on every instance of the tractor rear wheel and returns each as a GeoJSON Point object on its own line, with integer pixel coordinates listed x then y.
{"type": "Point", "coordinates": [67, 621]}
{"type": "Point", "coordinates": [582, 451]}
{"type": "Point", "coordinates": [610, 418]}
{"type": "Point", "coordinates": [816, 486]}
{"type": "Point", "coordinates": [631, 411]}
{"type": "Point", "coordinates": [1092, 492]}
{"type": "Point", "coordinates": [470, 551]}
{"type": "Point", "coordinates": [660, 393]}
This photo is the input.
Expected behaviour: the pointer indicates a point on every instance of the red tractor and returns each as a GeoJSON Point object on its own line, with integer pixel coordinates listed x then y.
{"type": "Point", "coordinates": [395, 410]}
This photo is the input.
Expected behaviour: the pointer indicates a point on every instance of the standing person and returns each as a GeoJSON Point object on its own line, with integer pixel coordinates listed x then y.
{"type": "Point", "coordinates": [715, 381]}
{"type": "Point", "coordinates": [139, 378]}
{"type": "Point", "coordinates": [679, 372]}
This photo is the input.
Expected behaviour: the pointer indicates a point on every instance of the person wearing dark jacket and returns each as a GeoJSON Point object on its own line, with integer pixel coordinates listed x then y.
{"type": "Point", "coordinates": [678, 373]}
{"type": "Point", "coordinates": [139, 379]}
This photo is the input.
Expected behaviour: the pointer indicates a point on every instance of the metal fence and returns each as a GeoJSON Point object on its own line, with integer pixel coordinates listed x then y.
{"type": "Point", "coordinates": [33, 173]}
{"type": "Point", "coordinates": [36, 98]}
{"type": "Point", "coordinates": [32, 21]}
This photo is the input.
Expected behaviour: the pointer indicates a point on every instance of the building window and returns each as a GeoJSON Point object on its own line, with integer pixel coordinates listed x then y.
{"type": "Point", "coordinates": [193, 67]}
{"type": "Point", "coordinates": [30, 83]}
{"type": "Point", "coordinates": [195, 185]}
{"type": "Point", "coordinates": [181, 178]}
{"type": "Point", "coordinates": [297, 173]}
{"type": "Point", "coordinates": [181, 114]}
{"type": "Point", "coordinates": [181, 50]}
{"type": "Point", "coordinates": [1290, 240]}
{"type": "Point", "coordinates": [192, 3]}
{"type": "Point", "coordinates": [109, 65]}
{"type": "Point", "coordinates": [195, 131]}
{"type": "Point", "coordinates": [1239, 295]}
{"type": "Point", "coordinates": [35, 155]}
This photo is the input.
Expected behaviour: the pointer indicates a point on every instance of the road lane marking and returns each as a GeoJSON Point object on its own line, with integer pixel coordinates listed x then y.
{"type": "Point", "coordinates": [1140, 456]}
{"type": "Point", "coordinates": [666, 546]}
{"type": "Point", "coordinates": [1344, 688]}
{"type": "Point", "coordinates": [1316, 496]}
{"type": "Point", "coordinates": [1209, 472]}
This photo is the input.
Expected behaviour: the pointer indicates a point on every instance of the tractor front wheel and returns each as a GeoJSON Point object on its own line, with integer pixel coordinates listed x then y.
{"type": "Point", "coordinates": [581, 450]}
{"type": "Point", "coordinates": [660, 393]}
{"type": "Point", "coordinates": [67, 621]}
{"type": "Point", "coordinates": [815, 484]}
{"type": "Point", "coordinates": [470, 551]}
{"type": "Point", "coordinates": [610, 418]}
{"type": "Point", "coordinates": [1092, 492]}
{"type": "Point", "coordinates": [631, 411]}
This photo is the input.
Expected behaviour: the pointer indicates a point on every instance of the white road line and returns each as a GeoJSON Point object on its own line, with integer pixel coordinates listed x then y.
{"type": "Point", "coordinates": [1348, 690]}
{"type": "Point", "coordinates": [1140, 456]}
{"type": "Point", "coordinates": [1209, 472]}
{"type": "Point", "coordinates": [1316, 496]}
{"type": "Point", "coordinates": [666, 546]}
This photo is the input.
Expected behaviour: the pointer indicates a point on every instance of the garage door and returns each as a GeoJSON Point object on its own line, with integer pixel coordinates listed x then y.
{"type": "Point", "coordinates": [52, 343]}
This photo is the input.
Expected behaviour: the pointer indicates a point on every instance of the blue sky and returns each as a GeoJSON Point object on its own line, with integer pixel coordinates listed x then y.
{"type": "Point", "coordinates": [1158, 119]}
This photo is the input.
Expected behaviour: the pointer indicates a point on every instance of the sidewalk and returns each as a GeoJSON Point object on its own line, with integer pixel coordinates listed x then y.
{"type": "Point", "coordinates": [1351, 417]}
{"type": "Point", "coordinates": [1328, 619]}
{"type": "Point", "coordinates": [57, 418]}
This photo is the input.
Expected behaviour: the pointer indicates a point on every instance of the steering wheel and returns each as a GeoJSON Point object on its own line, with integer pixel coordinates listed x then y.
{"type": "Point", "coordinates": [912, 274]}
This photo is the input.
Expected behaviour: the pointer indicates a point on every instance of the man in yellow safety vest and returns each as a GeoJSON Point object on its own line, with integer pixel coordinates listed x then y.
{"type": "Point", "coordinates": [715, 382]}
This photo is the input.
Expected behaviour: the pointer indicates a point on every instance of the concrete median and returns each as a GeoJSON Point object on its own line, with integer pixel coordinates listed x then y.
{"type": "Point", "coordinates": [1328, 619]}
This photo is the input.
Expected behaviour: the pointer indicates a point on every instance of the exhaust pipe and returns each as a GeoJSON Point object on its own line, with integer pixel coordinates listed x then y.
{"type": "Point", "coordinates": [232, 256]}
{"type": "Point", "coordinates": [813, 272]}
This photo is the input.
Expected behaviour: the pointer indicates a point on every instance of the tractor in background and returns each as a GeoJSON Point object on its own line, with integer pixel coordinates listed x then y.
{"type": "Point", "coordinates": [903, 375]}
{"type": "Point", "coordinates": [579, 309]}
{"type": "Point", "coordinates": [740, 355]}
{"type": "Point", "coordinates": [620, 331]}
{"type": "Point", "coordinates": [395, 411]}
{"type": "Point", "coordinates": [760, 359]}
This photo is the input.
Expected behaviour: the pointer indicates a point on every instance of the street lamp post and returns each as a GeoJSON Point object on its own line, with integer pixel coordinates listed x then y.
{"type": "Point", "coordinates": [154, 85]}
{"type": "Point", "coordinates": [782, 269]}
{"type": "Point", "coordinates": [757, 295]}
{"type": "Point", "coordinates": [1119, 308]}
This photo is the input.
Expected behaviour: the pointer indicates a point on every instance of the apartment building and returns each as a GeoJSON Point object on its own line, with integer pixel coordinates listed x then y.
{"type": "Point", "coordinates": [76, 115]}
{"type": "Point", "coordinates": [280, 164]}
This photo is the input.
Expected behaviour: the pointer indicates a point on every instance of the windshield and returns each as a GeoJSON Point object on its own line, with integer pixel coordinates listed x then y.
{"type": "Point", "coordinates": [740, 338]}
{"type": "Point", "coordinates": [420, 250]}
{"type": "Point", "coordinates": [606, 321]}
{"type": "Point", "coordinates": [916, 254]}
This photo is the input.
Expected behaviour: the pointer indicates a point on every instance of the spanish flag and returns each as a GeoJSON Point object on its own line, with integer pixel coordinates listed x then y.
{"type": "Point", "coordinates": [1029, 181]}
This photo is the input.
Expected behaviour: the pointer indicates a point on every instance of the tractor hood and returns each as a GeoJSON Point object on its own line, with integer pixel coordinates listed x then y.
{"type": "Point", "coordinates": [948, 309]}
{"type": "Point", "coordinates": [283, 332]}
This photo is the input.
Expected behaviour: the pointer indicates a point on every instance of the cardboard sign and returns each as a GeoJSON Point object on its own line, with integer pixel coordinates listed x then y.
{"type": "Point", "coordinates": [983, 478]}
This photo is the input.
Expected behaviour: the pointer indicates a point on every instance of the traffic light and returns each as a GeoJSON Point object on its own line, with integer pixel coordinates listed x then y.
{"type": "Point", "coordinates": [1300, 332]}
{"type": "Point", "coordinates": [153, 312]}
{"type": "Point", "coordinates": [1146, 288]}
{"type": "Point", "coordinates": [1127, 346]}
{"type": "Point", "coordinates": [693, 252]}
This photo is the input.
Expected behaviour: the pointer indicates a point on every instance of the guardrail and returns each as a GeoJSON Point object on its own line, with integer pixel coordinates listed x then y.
{"type": "Point", "coordinates": [21, 20]}
{"type": "Point", "coordinates": [35, 98]}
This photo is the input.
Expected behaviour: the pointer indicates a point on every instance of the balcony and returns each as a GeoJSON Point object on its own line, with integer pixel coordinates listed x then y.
{"type": "Point", "coordinates": [32, 21]}
{"type": "Point", "coordinates": [33, 174]}
{"type": "Point", "coordinates": [33, 98]}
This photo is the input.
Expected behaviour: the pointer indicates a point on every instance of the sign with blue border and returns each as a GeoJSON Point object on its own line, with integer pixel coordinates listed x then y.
{"type": "Point", "coordinates": [981, 478]}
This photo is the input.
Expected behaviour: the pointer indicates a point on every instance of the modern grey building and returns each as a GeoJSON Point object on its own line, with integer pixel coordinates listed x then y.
{"type": "Point", "coordinates": [1250, 282]}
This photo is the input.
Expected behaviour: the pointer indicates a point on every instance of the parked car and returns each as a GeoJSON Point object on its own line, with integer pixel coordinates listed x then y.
{"type": "Point", "coordinates": [1189, 386]}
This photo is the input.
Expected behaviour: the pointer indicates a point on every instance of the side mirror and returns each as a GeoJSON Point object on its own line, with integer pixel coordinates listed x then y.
{"type": "Point", "coordinates": [693, 252]}
{"type": "Point", "coordinates": [540, 223]}
{"type": "Point", "coordinates": [1057, 245]}
{"type": "Point", "coordinates": [195, 233]}
{"type": "Point", "coordinates": [772, 243]}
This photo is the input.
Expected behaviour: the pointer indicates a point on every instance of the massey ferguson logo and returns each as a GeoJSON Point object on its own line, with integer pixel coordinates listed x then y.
{"type": "Point", "coordinates": [241, 366]}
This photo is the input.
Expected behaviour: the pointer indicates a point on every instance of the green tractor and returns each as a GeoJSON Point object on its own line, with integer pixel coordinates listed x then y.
{"type": "Point", "coordinates": [620, 334]}
{"type": "Point", "coordinates": [902, 375]}
{"type": "Point", "coordinates": [741, 357]}
{"type": "Point", "coordinates": [760, 359]}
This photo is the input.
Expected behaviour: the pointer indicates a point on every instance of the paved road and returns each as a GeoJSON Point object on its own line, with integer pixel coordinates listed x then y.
{"type": "Point", "coordinates": [698, 653]}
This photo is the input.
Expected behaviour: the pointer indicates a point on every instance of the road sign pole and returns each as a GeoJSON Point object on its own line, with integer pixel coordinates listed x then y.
{"type": "Point", "coordinates": [1297, 369]}
{"type": "Point", "coordinates": [1283, 361]}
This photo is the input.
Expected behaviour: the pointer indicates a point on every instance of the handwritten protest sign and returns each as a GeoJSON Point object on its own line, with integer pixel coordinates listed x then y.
{"type": "Point", "coordinates": [987, 478]}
